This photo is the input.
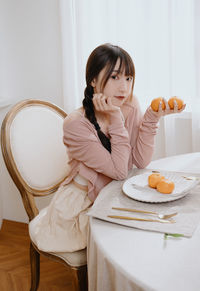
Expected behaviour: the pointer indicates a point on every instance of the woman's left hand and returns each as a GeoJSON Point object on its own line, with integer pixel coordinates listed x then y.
{"type": "Point", "coordinates": [167, 110]}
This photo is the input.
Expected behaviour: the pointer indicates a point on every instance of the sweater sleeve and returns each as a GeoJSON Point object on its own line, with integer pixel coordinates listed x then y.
{"type": "Point", "coordinates": [83, 145]}
{"type": "Point", "coordinates": [142, 131]}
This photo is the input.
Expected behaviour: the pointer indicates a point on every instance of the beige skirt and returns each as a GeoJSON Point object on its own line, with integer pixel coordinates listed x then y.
{"type": "Point", "coordinates": [63, 225]}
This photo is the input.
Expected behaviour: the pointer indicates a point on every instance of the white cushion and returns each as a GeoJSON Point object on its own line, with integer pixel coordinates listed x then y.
{"type": "Point", "coordinates": [36, 136]}
{"type": "Point", "coordinates": [75, 259]}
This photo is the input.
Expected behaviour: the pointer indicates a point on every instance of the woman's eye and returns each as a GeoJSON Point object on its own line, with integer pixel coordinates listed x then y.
{"type": "Point", "coordinates": [129, 78]}
{"type": "Point", "coordinates": [114, 77]}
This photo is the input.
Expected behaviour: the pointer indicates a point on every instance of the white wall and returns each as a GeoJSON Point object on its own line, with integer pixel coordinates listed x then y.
{"type": "Point", "coordinates": [30, 67]}
{"type": "Point", "coordinates": [30, 50]}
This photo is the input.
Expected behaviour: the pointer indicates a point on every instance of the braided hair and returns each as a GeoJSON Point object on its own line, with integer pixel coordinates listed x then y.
{"type": "Point", "coordinates": [104, 56]}
{"type": "Point", "coordinates": [90, 114]}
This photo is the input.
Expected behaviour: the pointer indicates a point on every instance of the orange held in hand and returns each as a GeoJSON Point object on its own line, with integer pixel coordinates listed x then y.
{"type": "Point", "coordinates": [165, 186]}
{"type": "Point", "coordinates": [154, 179]}
{"type": "Point", "coordinates": [155, 104]}
{"type": "Point", "coordinates": [178, 100]}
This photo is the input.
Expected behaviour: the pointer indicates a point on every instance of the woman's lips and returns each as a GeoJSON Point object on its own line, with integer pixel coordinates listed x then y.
{"type": "Point", "coordinates": [120, 97]}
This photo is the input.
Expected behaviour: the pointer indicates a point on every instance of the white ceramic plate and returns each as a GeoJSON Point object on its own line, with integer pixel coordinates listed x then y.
{"type": "Point", "coordinates": [137, 188]}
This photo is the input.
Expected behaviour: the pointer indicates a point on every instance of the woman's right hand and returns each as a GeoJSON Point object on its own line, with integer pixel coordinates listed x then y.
{"type": "Point", "coordinates": [167, 110]}
{"type": "Point", "coordinates": [104, 104]}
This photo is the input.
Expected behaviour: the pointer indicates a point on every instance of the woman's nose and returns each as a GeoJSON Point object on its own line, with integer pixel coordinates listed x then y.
{"type": "Point", "coordinates": [123, 85]}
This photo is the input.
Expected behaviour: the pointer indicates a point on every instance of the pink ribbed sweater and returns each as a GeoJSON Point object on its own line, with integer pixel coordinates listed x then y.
{"type": "Point", "coordinates": [132, 143]}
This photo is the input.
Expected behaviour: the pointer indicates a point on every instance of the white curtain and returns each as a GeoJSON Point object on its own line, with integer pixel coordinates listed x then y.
{"type": "Point", "coordinates": [163, 39]}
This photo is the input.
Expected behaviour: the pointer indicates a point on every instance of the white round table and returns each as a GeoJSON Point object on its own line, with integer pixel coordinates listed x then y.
{"type": "Point", "coordinates": [127, 259]}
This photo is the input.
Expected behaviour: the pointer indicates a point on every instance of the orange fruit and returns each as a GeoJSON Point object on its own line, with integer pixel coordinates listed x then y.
{"type": "Point", "coordinates": [154, 179]}
{"type": "Point", "coordinates": [178, 100]}
{"type": "Point", "coordinates": [165, 186]}
{"type": "Point", "coordinates": [155, 104]}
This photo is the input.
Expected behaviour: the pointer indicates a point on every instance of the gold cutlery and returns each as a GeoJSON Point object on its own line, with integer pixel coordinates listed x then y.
{"type": "Point", "coordinates": [142, 219]}
{"type": "Point", "coordinates": [159, 215]}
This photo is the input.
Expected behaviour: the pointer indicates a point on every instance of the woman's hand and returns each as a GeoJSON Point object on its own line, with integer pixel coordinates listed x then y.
{"type": "Point", "coordinates": [103, 104]}
{"type": "Point", "coordinates": [167, 109]}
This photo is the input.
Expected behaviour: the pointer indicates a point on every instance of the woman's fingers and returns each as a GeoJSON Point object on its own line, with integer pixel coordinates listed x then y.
{"type": "Point", "coordinates": [97, 102]}
{"type": "Point", "coordinates": [167, 110]}
{"type": "Point", "coordinates": [160, 107]}
{"type": "Point", "coordinates": [175, 107]}
{"type": "Point", "coordinates": [103, 103]}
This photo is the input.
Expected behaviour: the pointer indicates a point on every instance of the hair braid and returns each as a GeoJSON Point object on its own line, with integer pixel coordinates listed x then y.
{"type": "Point", "coordinates": [90, 114]}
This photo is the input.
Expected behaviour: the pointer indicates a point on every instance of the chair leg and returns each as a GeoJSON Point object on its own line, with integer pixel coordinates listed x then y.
{"type": "Point", "coordinates": [35, 268]}
{"type": "Point", "coordinates": [81, 281]}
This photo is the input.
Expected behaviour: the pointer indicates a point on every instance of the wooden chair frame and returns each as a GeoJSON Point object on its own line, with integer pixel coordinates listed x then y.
{"type": "Point", "coordinates": [28, 194]}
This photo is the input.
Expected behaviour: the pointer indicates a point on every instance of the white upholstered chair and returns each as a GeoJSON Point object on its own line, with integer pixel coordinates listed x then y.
{"type": "Point", "coordinates": [36, 159]}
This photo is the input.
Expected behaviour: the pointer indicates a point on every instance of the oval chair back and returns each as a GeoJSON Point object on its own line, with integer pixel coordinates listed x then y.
{"type": "Point", "coordinates": [37, 161]}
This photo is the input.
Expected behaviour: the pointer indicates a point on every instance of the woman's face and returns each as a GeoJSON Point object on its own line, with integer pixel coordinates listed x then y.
{"type": "Point", "coordinates": [118, 86]}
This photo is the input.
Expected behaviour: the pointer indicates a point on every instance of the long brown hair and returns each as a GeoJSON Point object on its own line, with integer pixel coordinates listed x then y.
{"type": "Point", "coordinates": [104, 56]}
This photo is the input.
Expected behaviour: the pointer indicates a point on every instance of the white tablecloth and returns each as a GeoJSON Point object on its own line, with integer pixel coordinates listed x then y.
{"type": "Point", "coordinates": [122, 258]}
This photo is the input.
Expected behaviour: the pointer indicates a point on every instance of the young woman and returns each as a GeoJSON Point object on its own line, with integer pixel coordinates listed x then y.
{"type": "Point", "coordinates": [104, 139]}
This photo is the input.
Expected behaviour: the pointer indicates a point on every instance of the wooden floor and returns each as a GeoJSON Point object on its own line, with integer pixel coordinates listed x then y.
{"type": "Point", "coordinates": [14, 263]}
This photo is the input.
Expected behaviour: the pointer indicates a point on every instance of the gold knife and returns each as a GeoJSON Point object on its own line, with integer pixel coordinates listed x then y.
{"type": "Point", "coordinates": [141, 219]}
{"type": "Point", "coordinates": [134, 210]}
